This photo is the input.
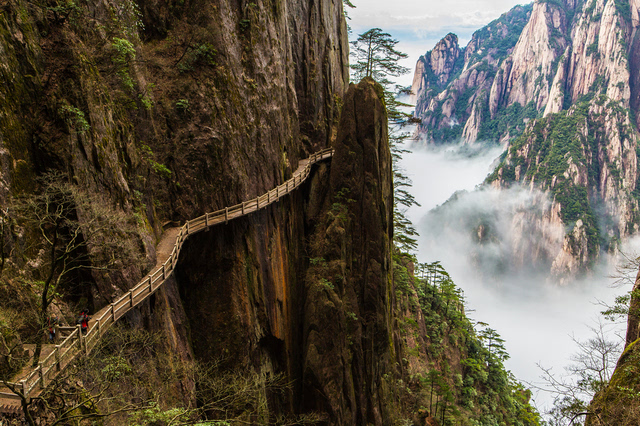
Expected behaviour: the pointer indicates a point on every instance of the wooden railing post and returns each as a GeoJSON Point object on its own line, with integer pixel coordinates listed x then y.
{"type": "Point", "coordinates": [150, 285]}
{"type": "Point", "coordinates": [164, 271]}
{"type": "Point", "coordinates": [99, 321]}
{"type": "Point", "coordinates": [57, 350]}
{"type": "Point", "coordinates": [258, 203]}
{"type": "Point", "coordinates": [25, 390]}
{"type": "Point", "coordinates": [80, 337]}
{"type": "Point", "coordinates": [113, 312]}
{"type": "Point", "coordinates": [243, 208]}
{"type": "Point", "coordinates": [268, 197]}
{"type": "Point", "coordinates": [226, 215]}
{"type": "Point", "coordinates": [206, 220]}
{"type": "Point", "coordinates": [131, 294]}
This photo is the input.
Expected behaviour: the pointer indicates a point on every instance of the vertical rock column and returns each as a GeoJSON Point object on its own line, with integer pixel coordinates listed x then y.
{"type": "Point", "coordinates": [347, 331]}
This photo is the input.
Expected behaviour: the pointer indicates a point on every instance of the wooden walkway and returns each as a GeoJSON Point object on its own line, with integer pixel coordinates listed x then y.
{"type": "Point", "coordinates": [32, 381]}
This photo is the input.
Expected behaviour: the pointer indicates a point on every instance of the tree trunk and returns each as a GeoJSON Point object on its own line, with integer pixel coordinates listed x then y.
{"type": "Point", "coordinates": [39, 341]}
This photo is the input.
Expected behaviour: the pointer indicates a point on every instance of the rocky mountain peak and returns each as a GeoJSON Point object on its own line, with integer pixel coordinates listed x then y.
{"type": "Point", "coordinates": [444, 57]}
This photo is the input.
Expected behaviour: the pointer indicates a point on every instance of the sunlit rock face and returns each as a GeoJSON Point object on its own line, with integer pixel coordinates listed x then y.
{"type": "Point", "coordinates": [555, 83]}
{"type": "Point", "coordinates": [531, 62]}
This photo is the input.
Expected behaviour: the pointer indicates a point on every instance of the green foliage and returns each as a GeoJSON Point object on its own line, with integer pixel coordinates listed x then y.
{"type": "Point", "coordinates": [74, 117]}
{"type": "Point", "coordinates": [484, 392]}
{"type": "Point", "coordinates": [124, 53]}
{"type": "Point", "coordinates": [376, 56]}
{"type": "Point", "coordinates": [160, 169]}
{"type": "Point", "coordinates": [198, 55]}
{"type": "Point", "coordinates": [592, 49]}
{"type": "Point", "coordinates": [146, 102]}
{"type": "Point", "coordinates": [182, 105]}
{"type": "Point", "coordinates": [623, 7]}
{"type": "Point", "coordinates": [327, 284]}
{"type": "Point", "coordinates": [511, 119]}
{"type": "Point", "coordinates": [501, 35]}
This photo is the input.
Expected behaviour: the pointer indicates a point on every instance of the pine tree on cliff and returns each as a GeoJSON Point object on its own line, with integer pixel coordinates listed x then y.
{"type": "Point", "coordinates": [376, 56]}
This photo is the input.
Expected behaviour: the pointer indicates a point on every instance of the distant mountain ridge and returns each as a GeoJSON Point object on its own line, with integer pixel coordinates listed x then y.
{"type": "Point", "coordinates": [564, 98]}
{"type": "Point", "coordinates": [450, 83]}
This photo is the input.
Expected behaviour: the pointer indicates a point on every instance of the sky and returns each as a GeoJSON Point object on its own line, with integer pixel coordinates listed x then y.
{"type": "Point", "coordinates": [420, 24]}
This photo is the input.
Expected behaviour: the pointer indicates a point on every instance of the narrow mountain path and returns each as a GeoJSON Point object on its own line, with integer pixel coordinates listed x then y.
{"type": "Point", "coordinates": [31, 381]}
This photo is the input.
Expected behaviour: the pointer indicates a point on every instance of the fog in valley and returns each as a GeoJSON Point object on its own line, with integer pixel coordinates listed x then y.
{"type": "Point", "coordinates": [535, 314]}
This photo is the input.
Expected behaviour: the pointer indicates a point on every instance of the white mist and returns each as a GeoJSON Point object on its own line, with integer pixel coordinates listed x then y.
{"type": "Point", "coordinates": [536, 317]}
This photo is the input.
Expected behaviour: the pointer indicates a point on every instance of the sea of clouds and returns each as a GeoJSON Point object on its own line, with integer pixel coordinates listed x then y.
{"type": "Point", "coordinates": [538, 316]}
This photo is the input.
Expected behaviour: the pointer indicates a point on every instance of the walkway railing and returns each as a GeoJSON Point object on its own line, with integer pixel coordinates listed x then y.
{"type": "Point", "coordinates": [75, 342]}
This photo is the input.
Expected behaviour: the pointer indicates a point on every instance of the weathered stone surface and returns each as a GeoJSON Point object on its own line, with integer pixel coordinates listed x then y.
{"type": "Point", "coordinates": [347, 313]}
{"type": "Point", "coordinates": [218, 105]}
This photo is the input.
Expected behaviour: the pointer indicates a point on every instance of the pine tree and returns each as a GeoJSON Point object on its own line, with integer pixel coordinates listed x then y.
{"type": "Point", "coordinates": [345, 4]}
{"type": "Point", "coordinates": [376, 56]}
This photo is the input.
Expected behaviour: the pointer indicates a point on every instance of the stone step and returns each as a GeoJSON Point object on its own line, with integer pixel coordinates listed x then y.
{"type": "Point", "coordinates": [9, 409]}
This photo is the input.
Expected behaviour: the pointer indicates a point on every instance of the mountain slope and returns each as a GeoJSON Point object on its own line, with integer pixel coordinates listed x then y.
{"type": "Point", "coordinates": [563, 102]}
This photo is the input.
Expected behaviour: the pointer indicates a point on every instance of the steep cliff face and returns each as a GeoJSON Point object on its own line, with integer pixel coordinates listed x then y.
{"type": "Point", "coordinates": [167, 110]}
{"type": "Point", "coordinates": [585, 160]}
{"type": "Point", "coordinates": [347, 312]}
{"type": "Point", "coordinates": [570, 71]}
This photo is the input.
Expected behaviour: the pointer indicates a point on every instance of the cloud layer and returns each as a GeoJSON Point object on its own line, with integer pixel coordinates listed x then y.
{"type": "Point", "coordinates": [535, 315]}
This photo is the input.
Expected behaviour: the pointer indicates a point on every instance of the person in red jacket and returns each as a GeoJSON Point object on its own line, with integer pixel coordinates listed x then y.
{"type": "Point", "coordinates": [83, 320]}
{"type": "Point", "coordinates": [53, 328]}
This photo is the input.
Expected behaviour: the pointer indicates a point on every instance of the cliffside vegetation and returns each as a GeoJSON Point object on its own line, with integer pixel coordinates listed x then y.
{"type": "Point", "coordinates": [447, 371]}
{"type": "Point", "coordinates": [454, 368]}
{"type": "Point", "coordinates": [569, 156]}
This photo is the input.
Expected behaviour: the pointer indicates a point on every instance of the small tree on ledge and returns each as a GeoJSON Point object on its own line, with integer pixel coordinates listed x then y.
{"type": "Point", "coordinates": [74, 231]}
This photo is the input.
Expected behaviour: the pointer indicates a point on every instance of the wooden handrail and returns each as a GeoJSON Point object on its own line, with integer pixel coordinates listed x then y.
{"type": "Point", "coordinates": [103, 319]}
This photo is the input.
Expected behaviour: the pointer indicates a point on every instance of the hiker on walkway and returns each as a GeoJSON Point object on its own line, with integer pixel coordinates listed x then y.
{"type": "Point", "coordinates": [83, 320]}
{"type": "Point", "coordinates": [53, 328]}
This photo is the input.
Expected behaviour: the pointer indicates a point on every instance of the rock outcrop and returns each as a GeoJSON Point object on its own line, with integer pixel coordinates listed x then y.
{"type": "Point", "coordinates": [585, 160]}
{"type": "Point", "coordinates": [615, 402]}
{"type": "Point", "coordinates": [561, 60]}
{"type": "Point", "coordinates": [347, 313]}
